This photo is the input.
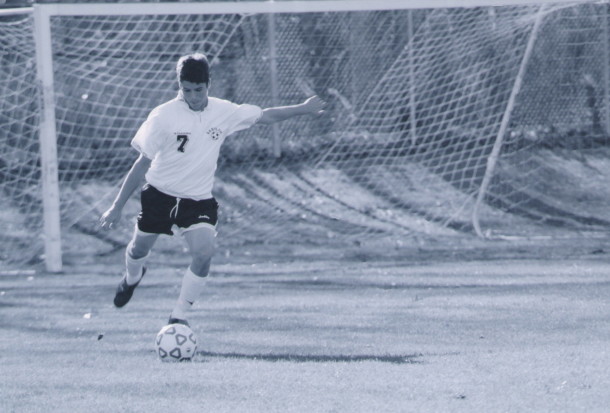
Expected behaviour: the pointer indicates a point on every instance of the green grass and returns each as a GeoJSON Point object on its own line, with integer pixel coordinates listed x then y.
{"type": "Point", "coordinates": [315, 336]}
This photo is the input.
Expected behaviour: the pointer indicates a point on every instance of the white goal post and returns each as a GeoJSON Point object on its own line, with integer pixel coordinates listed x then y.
{"type": "Point", "coordinates": [440, 117]}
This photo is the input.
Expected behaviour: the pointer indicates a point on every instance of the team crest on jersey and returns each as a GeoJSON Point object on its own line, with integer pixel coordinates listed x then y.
{"type": "Point", "coordinates": [214, 133]}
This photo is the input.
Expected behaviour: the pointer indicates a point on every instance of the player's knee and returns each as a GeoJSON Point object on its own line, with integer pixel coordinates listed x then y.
{"type": "Point", "coordinates": [202, 258]}
{"type": "Point", "coordinates": [200, 266]}
{"type": "Point", "coordinates": [135, 251]}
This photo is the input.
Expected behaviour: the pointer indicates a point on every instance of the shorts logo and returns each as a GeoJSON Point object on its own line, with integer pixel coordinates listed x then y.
{"type": "Point", "coordinates": [214, 133]}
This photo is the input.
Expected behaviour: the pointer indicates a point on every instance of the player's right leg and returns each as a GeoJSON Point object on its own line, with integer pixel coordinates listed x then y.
{"type": "Point", "coordinates": [154, 219]}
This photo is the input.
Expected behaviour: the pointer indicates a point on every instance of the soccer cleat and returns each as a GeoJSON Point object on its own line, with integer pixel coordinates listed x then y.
{"type": "Point", "coordinates": [124, 291]}
{"type": "Point", "coordinates": [173, 320]}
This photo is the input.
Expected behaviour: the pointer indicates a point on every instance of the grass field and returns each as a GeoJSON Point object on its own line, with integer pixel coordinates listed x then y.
{"type": "Point", "coordinates": [315, 335]}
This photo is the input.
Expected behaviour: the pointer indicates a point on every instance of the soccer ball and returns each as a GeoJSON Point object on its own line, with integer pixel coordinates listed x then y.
{"type": "Point", "coordinates": [176, 342]}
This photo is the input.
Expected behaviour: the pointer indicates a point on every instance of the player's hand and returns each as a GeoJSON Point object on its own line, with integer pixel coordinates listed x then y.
{"type": "Point", "coordinates": [110, 218]}
{"type": "Point", "coordinates": [315, 105]}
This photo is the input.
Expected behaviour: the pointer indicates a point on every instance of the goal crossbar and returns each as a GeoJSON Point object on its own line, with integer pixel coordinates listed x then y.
{"type": "Point", "coordinates": [248, 7]}
{"type": "Point", "coordinates": [14, 11]}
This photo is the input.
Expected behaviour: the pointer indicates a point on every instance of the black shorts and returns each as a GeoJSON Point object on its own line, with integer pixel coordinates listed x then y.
{"type": "Point", "coordinates": [161, 211]}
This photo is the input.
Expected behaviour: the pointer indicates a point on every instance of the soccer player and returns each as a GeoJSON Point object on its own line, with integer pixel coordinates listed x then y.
{"type": "Point", "coordinates": [179, 144]}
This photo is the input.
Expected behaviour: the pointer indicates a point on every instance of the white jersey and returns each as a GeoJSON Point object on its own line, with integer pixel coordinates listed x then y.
{"type": "Point", "coordinates": [184, 144]}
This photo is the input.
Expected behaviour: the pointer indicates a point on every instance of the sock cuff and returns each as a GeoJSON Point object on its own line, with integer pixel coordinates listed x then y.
{"type": "Point", "coordinates": [194, 277]}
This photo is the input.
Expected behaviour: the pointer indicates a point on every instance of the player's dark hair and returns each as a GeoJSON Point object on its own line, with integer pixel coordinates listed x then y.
{"type": "Point", "coordinates": [193, 68]}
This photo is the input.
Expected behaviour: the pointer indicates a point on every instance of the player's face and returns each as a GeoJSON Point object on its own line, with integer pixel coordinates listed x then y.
{"type": "Point", "coordinates": [195, 94]}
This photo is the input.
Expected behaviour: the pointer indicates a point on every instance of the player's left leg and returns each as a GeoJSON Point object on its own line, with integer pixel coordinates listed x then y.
{"type": "Point", "coordinates": [202, 244]}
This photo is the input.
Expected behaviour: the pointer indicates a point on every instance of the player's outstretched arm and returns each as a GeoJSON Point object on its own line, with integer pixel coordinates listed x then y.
{"type": "Point", "coordinates": [313, 105]}
{"type": "Point", "coordinates": [132, 180]}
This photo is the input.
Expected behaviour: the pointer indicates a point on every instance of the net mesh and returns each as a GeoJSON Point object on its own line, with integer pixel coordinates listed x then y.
{"type": "Point", "coordinates": [415, 101]}
{"type": "Point", "coordinates": [20, 203]}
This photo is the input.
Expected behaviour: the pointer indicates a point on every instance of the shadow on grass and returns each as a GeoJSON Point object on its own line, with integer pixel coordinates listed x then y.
{"type": "Point", "coordinates": [317, 358]}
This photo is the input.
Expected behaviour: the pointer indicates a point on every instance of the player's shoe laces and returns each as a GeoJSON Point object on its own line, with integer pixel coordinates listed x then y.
{"type": "Point", "coordinates": [124, 291]}
{"type": "Point", "coordinates": [173, 320]}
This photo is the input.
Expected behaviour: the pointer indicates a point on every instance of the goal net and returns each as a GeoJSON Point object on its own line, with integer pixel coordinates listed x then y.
{"type": "Point", "coordinates": [442, 123]}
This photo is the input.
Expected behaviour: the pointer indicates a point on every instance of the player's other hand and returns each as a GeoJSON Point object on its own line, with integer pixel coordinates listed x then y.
{"type": "Point", "coordinates": [315, 105]}
{"type": "Point", "coordinates": [110, 218]}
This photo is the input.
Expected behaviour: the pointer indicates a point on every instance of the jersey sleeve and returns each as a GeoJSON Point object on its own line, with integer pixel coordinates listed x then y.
{"type": "Point", "coordinates": [243, 117]}
{"type": "Point", "coordinates": [150, 136]}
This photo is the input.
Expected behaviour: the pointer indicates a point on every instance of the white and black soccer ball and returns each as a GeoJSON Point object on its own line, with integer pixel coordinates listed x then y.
{"type": "Point", "coordinates": [176, 342]}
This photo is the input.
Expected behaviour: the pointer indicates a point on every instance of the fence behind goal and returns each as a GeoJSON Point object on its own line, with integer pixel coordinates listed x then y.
{"type": "Point", "coordinates": [441, 122]}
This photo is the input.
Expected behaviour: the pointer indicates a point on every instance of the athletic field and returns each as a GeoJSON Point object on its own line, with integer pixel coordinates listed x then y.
{"type": "Point", "coordinates": [428, 332]}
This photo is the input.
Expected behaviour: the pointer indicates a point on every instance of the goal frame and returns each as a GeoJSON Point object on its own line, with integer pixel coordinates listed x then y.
{"type": "Point", "coordinates": [42, 14]}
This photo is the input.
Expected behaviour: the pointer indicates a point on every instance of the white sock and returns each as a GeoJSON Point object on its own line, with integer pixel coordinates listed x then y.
{"type": "Point", "coordinates": [134, 268]}
{"type": "Point", "coordinates": [190, 291]}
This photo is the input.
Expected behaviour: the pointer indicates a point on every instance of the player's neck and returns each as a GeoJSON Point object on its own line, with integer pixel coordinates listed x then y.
{"type": "Point", "coordinates": [196, 107]}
